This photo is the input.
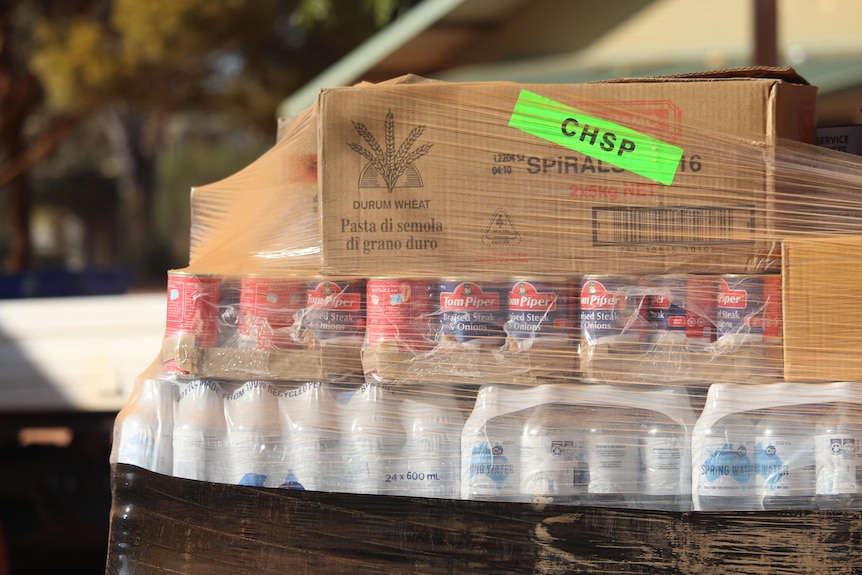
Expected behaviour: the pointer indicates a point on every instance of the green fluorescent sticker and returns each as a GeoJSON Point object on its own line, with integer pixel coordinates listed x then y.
{"type": "Point", "coordinates": [597, 138]}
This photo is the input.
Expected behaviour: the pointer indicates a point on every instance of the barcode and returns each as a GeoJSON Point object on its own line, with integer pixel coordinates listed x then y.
{"type": "Point", "coordinates": [673, 225]}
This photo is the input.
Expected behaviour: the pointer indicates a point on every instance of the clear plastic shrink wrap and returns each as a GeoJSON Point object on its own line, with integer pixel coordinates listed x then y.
{"type": "Point", "coordinates": [780, 446]}
{"type": "Point", "coordinates": [640, 294]}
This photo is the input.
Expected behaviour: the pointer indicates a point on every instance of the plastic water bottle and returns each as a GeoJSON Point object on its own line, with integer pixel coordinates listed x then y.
{"type": "Point", "coordinates": [312, 426]}
{"type": "Point", "coordinates": [613, 455]}
{"type": "Point", "coordinates": [254, 446]}
{"type": "Point", "coordinates": [726, 469]}
{"type": "Point", "coordinates": [199, 433]}
{"type": "Point", "coordinates": [490, 460]}
{"type": "Point", "coordinates": [373, 438]}
{"type": "Point", "coordinates": [143, 431]}
{"type": "Point", "coordinates": [430, 463]}
{"type": "Point", "coordinates": [837, 438]}
{"type": "Point", "coordinates": [785, 460]}
{"type": "Point", "coordinates": [664, 455]}
{"type": "Point", "coordinates": [553, 455]}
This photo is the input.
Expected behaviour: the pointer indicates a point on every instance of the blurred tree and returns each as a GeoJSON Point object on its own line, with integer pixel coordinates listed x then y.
{"type": "Point", "coordinates": [22, 143]}
{"type": "Point", "coordinates": [136, 65]}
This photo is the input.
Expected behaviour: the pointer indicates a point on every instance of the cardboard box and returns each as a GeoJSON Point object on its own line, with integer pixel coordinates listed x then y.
{"type": "Point", "coordinates": [434, 178]}
{"type": "Point", "coordinates": [822, 290]}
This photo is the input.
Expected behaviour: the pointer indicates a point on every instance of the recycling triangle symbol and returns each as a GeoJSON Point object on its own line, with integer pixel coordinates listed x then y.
{"type": "Point", "coordinates": [501, 231]}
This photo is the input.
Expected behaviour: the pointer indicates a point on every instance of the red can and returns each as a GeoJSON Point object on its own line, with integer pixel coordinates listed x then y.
{"type": "Point", "coordinates": [540, 310]}
{"type": "Point", "coordinates": [192, 309]}
{"type": "Point", "coordinates": [749, 306]}
{"type": "Point", "coordinates": [700, 302]}
{"type": "Point", "coordinates": [267, 312]}
{"type": "Point", "coordinates": [683, 306]}
{"type": "Point", "coordinates": [334, 311]}
{"type": "Point", "coordinates": [401, 311]}
{"type": "Point", "coordinates": [472, 313]}
{"type": "Point", "coordinates": [613, 312]}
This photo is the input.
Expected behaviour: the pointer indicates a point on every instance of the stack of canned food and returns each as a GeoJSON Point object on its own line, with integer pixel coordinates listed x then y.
{"type": "Point", "coordinates": [618, 323]}
{"type": "Point", "coordinates": [691, 327]}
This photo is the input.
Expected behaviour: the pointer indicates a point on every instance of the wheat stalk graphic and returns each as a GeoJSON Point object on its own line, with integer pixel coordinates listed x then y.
{"type": "Point", "coordinates": [390, 163]}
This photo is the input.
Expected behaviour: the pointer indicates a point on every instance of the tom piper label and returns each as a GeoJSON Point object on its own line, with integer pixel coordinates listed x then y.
{"type": "Point", "coordinates": [613, 310]}
{"type": "Point", "coordinates": [539, 309]}
{"type": "Point", "coordinates": [469, 297]}
{"type": "Point", "coordinates": [471, 313]}
{"type": "Point", "coordinates": [526, 297]}
{"type": "Point", "coordinates": [335, 310]}
{"type": "Point", "coordinates": [749, 305]}
{"type": "Point", "coordinates": [328, 295]}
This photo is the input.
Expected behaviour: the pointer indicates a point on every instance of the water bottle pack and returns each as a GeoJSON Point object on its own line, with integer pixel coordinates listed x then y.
{"type": "Point", "coordinates": [562, 444]}
{"type": "Point", "coordinates": [293, 435]}
{"type": "Point", "coordinates": [781, 446]}
{"type": "Point", "coordinates": [579, 444]}
{"type": "Point", "coordinates": [752, 447]}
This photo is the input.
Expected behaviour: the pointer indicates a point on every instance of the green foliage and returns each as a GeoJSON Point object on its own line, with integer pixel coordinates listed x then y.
{"type": "Point", "coordinates": [224, 64]}
{"type": "Point", "coordinates": [313, 12]}
{"type": "Point", "coordinates": [236, 57]}
{"type": "Point", "coordinates": [164, 31]}
{"type": "Point", "coordinates": [67, 63]}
